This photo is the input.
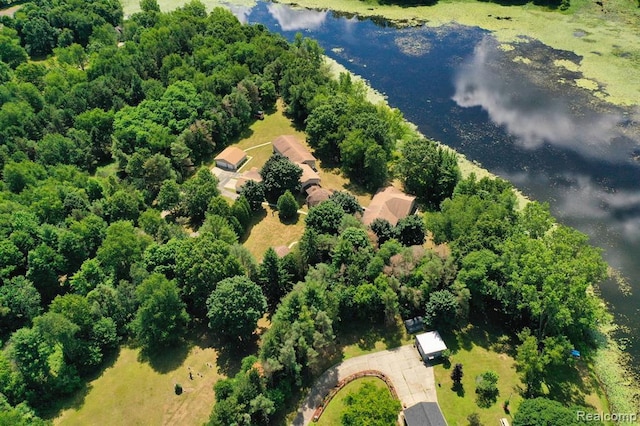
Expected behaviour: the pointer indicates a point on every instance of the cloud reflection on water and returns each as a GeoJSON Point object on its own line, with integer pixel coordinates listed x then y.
{"type": "Point", "coordinates": [296, 19]}
{"type": "Point", "coordinates": [577, 199]}
{"type": "Point", "coordinates": [531, 113]}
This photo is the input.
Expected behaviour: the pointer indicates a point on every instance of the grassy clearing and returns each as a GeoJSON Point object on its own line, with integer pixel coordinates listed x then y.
{"type": "Point", "coordinates": [480, 350]}
{"type": "Point", "coordinates": [137, 392]}
{"type": "Point", "coordinates": [268, 231]}
{"type": "Point", "coordinates": [262, 132]}
{"type": "Point", "coordinates": [331, 416]}
{"type": "Point", "coordinates": [364, 338]}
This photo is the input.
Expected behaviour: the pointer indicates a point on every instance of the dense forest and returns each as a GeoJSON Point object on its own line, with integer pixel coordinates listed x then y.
{"type": "Point", "coordinates": [107, 128]}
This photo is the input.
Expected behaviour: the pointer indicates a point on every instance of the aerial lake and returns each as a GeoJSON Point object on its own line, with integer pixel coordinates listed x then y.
{"type": "Point", "coordinates": [521, 110]}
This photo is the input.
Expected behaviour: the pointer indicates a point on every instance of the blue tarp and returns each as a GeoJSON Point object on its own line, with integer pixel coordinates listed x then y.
{"type": "Point", "coordinates": [575, 353]}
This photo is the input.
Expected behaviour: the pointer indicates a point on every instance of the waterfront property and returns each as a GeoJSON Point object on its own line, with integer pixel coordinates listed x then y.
{"type": "Point", "coordinates": [391, 204]}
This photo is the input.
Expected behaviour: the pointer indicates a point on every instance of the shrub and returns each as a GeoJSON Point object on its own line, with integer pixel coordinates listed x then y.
{"type": "Point", "coordinates": [487, 389]}
{"type": "Point", "coordinates": [287, 206]}
{"type": "Point", "coordinates": [178, 389]}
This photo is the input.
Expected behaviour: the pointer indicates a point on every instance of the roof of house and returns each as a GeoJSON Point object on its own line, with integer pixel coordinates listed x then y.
{"type": "Point", "coordinates": [252, 174]}
{"type": "Point", "coordinates": [316, 195]}
{"type": "Point", "coordinates": [390, 204]}
{"type": "Point", "coordinates": [290, 147]}
{"type": "Point", "coordinates": [308, 173]}
{"type": "Point", "coordinates": [232, 155]}
{"type": "Point", "coordinates": [424, 414]}
{"type": "Point", "coordinates": [431, 342]}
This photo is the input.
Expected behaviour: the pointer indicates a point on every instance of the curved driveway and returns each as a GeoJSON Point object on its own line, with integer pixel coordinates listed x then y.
{"type": "Point", "coordinates": [413, 379]}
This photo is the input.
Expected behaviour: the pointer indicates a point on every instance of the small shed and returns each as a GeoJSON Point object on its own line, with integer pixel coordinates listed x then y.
{"type": "Point", "coordinates": [424, 414]}
{"type": "Point", "coordinates": [414, 325]}
{"type": "Point", "coordinates": [430, 345]}
{"type": "Point", "coordinates": [231, 158]}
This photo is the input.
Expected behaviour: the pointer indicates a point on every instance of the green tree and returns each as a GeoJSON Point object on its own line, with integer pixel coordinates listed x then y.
{"type": "Point", "coordinates": [19, 304]}
{"type": "Point", "coordinates": [273, 278]}
{"type": "Point", "coordinates": [161, 318]}
{"type": "Point", "coordinates": [370, 406]}
{"type": "Point", "coordinates": [122, 247]}
{"type": "Point", "coordinates": [197, 192]}
{"type": "Point", "coordinates": [543, 412]}
{"type": "Point", "coordinates": [235, 307]}
{"type": "Point", "coordinates": [254, 193]}
{"type": "Point", "coordinates": [487, 389]}
{"type": "Point", "coordinates": [325, 218]}
{"type": "Point", "coordinates": [200, 263]}
{"type": "Point", "coordinates": [287, 206]}
{"type": "Point", "coordinates": [169, 195]}
{"type": "Point", "coordinates": [279, 175]}
{"type": "Point", "coordinates": [410, 230]}
{"type": "Point", "coordinates": [441, 309]}
{"type": "Point", "coordinates": [346, 201]}
{"type": "Point", "coordinates": [428, 171]}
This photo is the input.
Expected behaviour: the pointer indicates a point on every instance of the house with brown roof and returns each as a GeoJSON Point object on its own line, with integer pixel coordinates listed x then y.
{"type": "Point", "coordinates": [231, 158]}
{"type": "Point", "coordinates": [309, 176]}
{"type": "Point", "coordinates": [289, 146]}
{"type": "Point", "coordinates": [316, 195]}
{"type": "Point", "coordinates": [252, 174]}
{"type": "Point", "coordinates": [390, 204]}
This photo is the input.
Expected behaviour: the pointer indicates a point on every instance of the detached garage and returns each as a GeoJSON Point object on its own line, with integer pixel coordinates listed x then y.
{"type": "Point", "coordinates": [231, 158]}
{"type": "Point", "coordinates": [430, 345]}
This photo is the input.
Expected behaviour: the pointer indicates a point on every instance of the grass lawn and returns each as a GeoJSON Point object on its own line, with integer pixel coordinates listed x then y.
{"type": "Point", "coordinates": [135, 392]}
{"type": "Point", "coordinates": [364, 338]}
{"type": "Point", "coordinates": [478, 350]}
{"type": "Point", "coordinates": [268, 231]}
{"type": "Point", "coordinates": [263, 132]}
{"type": "Point", "coordinates": [331, 415]}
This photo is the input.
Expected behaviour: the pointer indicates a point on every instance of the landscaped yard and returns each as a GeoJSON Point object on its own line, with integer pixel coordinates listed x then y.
{"type": "Point", "coordinates": [135, 392]}
{"type": "Point", "coordinates": [333, 412]}
{"type": "Point", "coordinates": [478, 350]}
{"type": "Point", "coordinates": [268, 231]}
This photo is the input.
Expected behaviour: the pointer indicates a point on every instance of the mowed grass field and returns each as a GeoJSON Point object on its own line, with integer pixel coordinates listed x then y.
{"type": "Point", "coordinates": [137, 392]}
{"type": "Point", "coordinates": [336, 407]}
{"type": "Point", "coordinates": [479, 350]}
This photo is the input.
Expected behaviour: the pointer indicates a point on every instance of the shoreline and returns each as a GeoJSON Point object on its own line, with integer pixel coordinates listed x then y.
{"type": "Point", "coordinates": [609, 62]}
{"type": "Point", "coordinates": [609, 363]}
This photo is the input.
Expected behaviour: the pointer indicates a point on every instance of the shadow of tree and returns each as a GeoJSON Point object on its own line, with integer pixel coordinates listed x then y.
{"type": "Point", "coordinates": [256, 218]}
{"type": "Point", "coordinates": [458, 388]}
{"type": "Point", "coordinates": [231, 353]}
{"type": "Point", "coordinates": [166, 359]}
{"type": "Point", "coordinates": [77, 399]}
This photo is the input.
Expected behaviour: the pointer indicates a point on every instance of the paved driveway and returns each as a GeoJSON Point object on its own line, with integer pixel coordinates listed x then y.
{"type": "Point", "coordinates": [413, 379]}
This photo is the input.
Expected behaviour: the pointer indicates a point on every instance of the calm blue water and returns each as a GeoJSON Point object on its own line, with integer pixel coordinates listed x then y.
{"type": "Point", "coordinates": [555, 142]}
